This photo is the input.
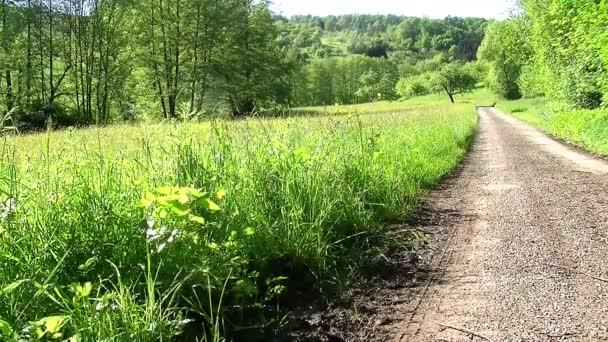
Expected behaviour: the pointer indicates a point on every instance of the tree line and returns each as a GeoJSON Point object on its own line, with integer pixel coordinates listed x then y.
{"type": "Point", "coordinates": [93, 61]}
{"type": "Point", "coordinates": [360, 58]}
{"type": "Point", "coordinates": [380, 35]}
{"type": "Point", "coordinates": [552, 48]}
{"type": "Point", "coordinates": [82, 62]}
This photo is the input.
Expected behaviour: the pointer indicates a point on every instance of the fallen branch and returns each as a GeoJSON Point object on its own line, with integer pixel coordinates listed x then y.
{"type": "Point", "coordinates": [464, 330]}
{"type": "Point", "coordinates": [573, 270]}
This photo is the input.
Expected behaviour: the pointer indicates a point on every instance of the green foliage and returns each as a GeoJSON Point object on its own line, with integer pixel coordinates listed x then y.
{"type": "Point", "coordinates": [585, 128]}
{"type": "Point", "coordinates": [554, 48]}
{"type": "Point", "coordinates": [453, 79]}
{"type": "Point", "coordinates": [81, 62]}
{"type": "Point", "coordinates": [347, 80]}
{"type": "Point", "coordinates": [414, 85]}
{"type": "Point", "coordinates": [382, 35]}
{"type": "Point", "coordinates": [147, 232]}
{"type": "Point", "coordinates": [506, 49]}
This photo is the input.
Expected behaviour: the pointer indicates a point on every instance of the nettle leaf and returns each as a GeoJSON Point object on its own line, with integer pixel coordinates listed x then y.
{"type": "Point", "coordinates": [197, 219]}
{"type": "Point", "coordinates": [209, 204]}
{"type": "Point", "coordinates": [165, 190]}
{"type": "Point", "coordinates": [220, 194]}
{"type": "Point", "coordinates": [6, 330]}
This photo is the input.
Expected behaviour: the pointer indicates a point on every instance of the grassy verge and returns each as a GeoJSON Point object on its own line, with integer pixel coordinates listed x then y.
{"type": "Point", "coordinates": [204, 230]}
{"type": "Point", "coordinates": [585, 128]}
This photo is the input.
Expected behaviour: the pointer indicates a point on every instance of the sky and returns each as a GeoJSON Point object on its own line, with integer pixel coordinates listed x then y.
{"type": "Point", "coordinates": [418, 8]}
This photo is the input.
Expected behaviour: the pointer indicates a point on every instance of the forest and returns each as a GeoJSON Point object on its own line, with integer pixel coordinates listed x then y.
{"type": "Point", "coordinates": [82, 62]}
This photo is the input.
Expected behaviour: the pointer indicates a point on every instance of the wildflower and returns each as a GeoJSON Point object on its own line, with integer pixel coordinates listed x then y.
{"type": "Point", "coordinates": [154, 234]}
{"type": "Point", "coordinates": [8, 208]}
{"type": "Point", "coordinates": [173, 235]}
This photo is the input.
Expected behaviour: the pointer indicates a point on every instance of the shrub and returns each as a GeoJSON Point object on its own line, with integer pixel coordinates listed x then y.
{"type": "Point", "coordinates": [413, 86]}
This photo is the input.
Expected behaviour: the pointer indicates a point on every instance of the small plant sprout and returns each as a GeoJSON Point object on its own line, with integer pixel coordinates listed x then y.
{"type": "Point", "coordinates": [182, 209]}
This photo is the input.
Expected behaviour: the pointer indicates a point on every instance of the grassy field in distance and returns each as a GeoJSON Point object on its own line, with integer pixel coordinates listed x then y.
{"type": "Point", "coordinates": [150, 230]}
{"type": "Point", "coordinates": [428, 103]}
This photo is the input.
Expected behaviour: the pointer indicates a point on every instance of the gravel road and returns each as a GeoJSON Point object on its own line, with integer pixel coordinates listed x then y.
{"type": "Point", "coordinates": [525, 253]}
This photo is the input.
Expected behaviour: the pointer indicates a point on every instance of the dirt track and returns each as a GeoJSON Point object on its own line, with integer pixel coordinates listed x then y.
{"type": "Point", "coordinates": [525, 235]}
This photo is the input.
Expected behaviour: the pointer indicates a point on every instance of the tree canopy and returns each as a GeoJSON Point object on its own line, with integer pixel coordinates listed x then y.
{"type": "Point", "coordinates": [100, 61]}
{"type": "Point", "coordinates": [453, 79]}
{"type": "Point", "coordinates": [554, 48]}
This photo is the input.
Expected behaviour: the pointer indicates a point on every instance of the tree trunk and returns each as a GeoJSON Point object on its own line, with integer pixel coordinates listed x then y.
{"type": "Point", "coordinates": [450, 94]}
{"type": "Point", "coordinates": [244, 107]}
{"type": "Point", "coordinates": [9, 91]}
{"type": "Point", "coordinates": [51, 48]}
{"type": "Point", "coordinates": [28, 76]}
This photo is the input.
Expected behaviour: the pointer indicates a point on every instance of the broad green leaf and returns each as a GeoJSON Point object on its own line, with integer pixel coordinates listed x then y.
{"type": "Point", "coordinates": [145, 203]}
{"type": "Point", "coordinates": [179, 210]}
{"type": "Point", "coordinates": [165, 190]}
{"type": "Point", "coordinates": [53, 325]}
{"type": "Point", "coordinates": [183, 199]}
{"type": "Point", "coordinates": [197, 219]}
{"type": "Point", "coordinates": [6, 330]}
{"type": "Point", "coordinates": [75, 338]}
{"type": "Point", "coordinates": [196, 193]}
{"type": "Point", "coordinates": [211, 205]}
{"type": "Point", "coordinates": [82, 291]}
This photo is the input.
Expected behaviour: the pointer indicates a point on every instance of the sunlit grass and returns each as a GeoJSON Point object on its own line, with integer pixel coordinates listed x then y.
{"type": "Point", "coordinates": [140, 231]}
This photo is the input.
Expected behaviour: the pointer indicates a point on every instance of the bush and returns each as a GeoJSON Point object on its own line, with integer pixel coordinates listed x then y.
{"type": "Point", "coordinates": [37, 116]}
{"type": "Point", "coordinates": [413, 86]}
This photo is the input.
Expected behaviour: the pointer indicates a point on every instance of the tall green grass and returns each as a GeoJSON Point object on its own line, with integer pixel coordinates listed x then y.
{"type": "Point", "coordinates": [585, 128]}
{"type": "Point", "coordinates": [203, 230]}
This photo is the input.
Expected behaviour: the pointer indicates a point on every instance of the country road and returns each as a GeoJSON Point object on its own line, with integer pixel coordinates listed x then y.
{"type": "Point", "coordinates": [525, 257]}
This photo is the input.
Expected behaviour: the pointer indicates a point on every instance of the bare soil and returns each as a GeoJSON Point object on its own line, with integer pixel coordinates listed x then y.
{"type": "Point", "coordinates": [518, 251]}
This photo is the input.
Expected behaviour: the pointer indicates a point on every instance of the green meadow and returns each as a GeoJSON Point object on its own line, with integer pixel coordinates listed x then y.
{"type": "Point", "coordinates": [209, 230]}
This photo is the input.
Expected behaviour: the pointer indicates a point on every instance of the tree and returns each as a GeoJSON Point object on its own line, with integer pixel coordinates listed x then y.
{"type": "Point", "coordinates": [454, 80]}
{"type": "Point", "coordinates": [505, 49]}
{"type": "Point", "coordinates": [569, 57]}
{"type": "Point", "coordinates": [252, 63]}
